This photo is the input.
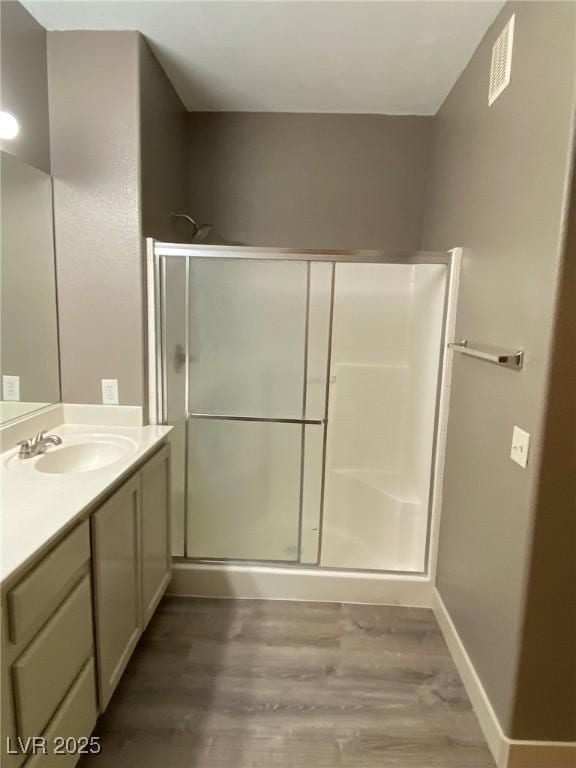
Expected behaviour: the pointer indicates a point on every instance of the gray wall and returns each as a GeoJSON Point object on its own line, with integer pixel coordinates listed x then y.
{"type": "Point", "coordinates": [164, 151]}
{"type": "Point", "coordinates": [308, 180]}
{"type": "Point", "coordinates": [24, 85]}
{"type": "Point", "coordinates": [498, 188]}
{"type": "Point", "coordinates": [119, 162]}
{"type": "Point", "coordinates": [95, 143]}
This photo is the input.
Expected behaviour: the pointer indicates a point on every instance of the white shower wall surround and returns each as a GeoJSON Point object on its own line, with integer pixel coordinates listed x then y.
{"type": "Point", "coordinates": [306, 417]}
{"type": "Point", "coordinates": [387, 330]}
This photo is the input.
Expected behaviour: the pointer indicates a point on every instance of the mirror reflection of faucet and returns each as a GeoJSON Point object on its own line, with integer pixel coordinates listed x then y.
{"type": "Point", "coordinates": [37, 445]}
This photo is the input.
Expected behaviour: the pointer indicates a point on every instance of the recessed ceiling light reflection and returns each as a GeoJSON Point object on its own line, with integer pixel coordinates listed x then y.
{"type": "Point", "coordinates": [8, 126]}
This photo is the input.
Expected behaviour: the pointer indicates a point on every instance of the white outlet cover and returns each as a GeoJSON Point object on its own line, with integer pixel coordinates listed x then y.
{"type": "Point", "coordinates": [110, 392]}
{"type": "Point", "coordinates": [10, 387]}
{"type": "Point", "coordinates": [520, 446]}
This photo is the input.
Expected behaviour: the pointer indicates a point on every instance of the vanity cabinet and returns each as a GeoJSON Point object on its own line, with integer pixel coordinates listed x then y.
{"type": "Point", "coordinates": [71, 622]}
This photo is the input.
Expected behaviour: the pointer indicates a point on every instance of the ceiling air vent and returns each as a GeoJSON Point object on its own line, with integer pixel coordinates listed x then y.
{"type": "Point", "coordinates": [501, 64]}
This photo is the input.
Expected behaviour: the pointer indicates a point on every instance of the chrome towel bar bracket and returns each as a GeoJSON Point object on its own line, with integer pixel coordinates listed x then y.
{"type": "Point", "coordinates": [489, 354]}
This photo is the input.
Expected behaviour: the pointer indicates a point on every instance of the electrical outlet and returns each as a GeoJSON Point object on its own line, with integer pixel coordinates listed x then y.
{"type": "Point", "coordinates": [110, 392]}
{"type": "Point", "coordinates": [520, 445]}
{"type": "Point", "coordinates": [10, 387]}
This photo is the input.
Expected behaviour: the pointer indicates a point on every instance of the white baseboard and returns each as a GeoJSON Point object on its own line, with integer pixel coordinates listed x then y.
{"type": "Point", "coordinates": [274, 583]}
{"type": "Point", "coordinates": [104, 415]}
{"type": "Point", "coordinates": [507, 753]}
{"type": "Point", "coordinates": [487, 717]}
{"type": "Point", "coordinates": [541, 754]}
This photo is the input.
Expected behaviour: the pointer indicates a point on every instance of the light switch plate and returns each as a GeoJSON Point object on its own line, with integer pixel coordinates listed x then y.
{"type": "Point", "coordinates": [10, 387]}
{"type": "Point", "coordinates": [520, 445]}
{"type": "Point", "coordinates": [110, 392]}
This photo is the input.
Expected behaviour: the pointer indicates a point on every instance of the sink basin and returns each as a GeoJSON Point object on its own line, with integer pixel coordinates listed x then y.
{"type": "Point", "coordinates": [84, 455]}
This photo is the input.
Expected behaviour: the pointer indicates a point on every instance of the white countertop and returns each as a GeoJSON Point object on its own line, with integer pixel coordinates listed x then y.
{"type": "Point", "coordinates": [37, 507]}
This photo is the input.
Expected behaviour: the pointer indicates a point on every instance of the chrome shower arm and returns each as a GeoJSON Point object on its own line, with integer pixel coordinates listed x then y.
{"type": "Point", "coordinates": [188, 218]}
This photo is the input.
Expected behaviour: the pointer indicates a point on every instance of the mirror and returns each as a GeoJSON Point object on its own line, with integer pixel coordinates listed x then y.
{"type": "Point", "coordinates": [29, 363]}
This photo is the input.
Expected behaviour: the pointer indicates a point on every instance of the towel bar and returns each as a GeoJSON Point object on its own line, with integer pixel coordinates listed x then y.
{"type": "Point", "coordinates": [489, 354]}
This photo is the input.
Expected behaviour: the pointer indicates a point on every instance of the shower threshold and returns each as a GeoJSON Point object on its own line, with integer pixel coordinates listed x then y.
{"type": "Point", "coordinates": [294, 581]}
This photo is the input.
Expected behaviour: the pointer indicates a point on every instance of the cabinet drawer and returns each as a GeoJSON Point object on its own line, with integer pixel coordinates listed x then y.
{"type": "Point", "coordinates": [74, 720]}
{"type": "Point", "coordinates": [32, 601]}
{"type": "Point", "coordinates": [48, 667]}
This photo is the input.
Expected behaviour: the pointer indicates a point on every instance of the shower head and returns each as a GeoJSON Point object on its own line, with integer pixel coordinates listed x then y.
{"type": "Point", "coordinates": [201, 231]}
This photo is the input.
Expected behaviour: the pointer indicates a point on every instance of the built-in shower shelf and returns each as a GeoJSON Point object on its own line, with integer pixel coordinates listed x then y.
{"type": "Point", "coordinates": [394, 485]}
{"type": "Point", "coordinates": [507, 359]}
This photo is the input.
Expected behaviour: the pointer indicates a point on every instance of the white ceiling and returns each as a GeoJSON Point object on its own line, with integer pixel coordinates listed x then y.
{"type": "Point", "coordinates": [374, 57]}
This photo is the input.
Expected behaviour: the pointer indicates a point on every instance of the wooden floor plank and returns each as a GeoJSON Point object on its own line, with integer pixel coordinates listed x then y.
{"type": "Point", "coordinates": [259, 684]}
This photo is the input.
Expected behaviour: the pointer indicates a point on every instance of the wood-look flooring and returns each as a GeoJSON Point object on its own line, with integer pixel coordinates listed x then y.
{"type": "Point", "coordinates": [265, 684]}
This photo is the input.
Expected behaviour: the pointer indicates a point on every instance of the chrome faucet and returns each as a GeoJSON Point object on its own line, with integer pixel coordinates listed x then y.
{"type": "Point", "coordinates": [37, 445]}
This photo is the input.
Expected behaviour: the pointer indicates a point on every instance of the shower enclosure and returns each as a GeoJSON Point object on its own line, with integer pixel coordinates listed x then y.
{"type": "Point", "coordinates": [303, 390]}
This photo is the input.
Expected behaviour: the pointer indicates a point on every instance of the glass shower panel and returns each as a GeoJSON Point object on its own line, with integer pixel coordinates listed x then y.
{"type": "Point", "coordinates": [174, 324]}
{"type": "Point", "coordinates": [247, 337]}
{"type": "Point", "coordinates": [313, 453]}
{"type": "Point", "coordinates": [319, 304]}
{"type": "Point", "coordinates": [244, 490]}
{"type": "Point", "coordinates": [258, 336]}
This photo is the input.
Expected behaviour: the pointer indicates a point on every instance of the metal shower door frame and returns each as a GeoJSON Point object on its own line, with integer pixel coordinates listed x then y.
{"type": "Point", "coordinates": [157, 252]}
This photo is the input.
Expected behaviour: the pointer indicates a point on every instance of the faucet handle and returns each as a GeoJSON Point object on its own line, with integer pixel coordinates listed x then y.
{"type": "Point", "coordinates": [26, 448]}
{"type": "Point", "coordinates": [39, 436]}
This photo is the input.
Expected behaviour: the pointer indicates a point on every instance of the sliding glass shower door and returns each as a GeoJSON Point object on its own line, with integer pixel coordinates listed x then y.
{"type": "Point", "coordinates": [257, 342]}
{"type": "Point", "coordinates": [304, 396]}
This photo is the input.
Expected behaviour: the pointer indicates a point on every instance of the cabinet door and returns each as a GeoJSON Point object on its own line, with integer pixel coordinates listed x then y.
{"type": "Point", "coordinates": [10, 755]}
{"type": "Point", "coordinates": [155, 530]}
{"type": "Point", "coordinates": [116, 566]}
